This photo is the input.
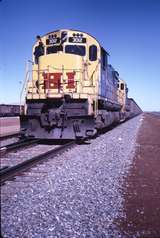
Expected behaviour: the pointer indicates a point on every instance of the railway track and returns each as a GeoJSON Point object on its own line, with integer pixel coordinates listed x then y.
{"type": "Point", "coordinates": [9, 172]}
{"type": "Point", "coordinates": [17, 145]}
{"type": "Point", "coordinates": [2, 138]}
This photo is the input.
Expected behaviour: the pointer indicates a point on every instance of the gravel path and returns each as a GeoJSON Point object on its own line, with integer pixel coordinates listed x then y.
{"type": "Point", "coordinates": [80, 195]}
{"type": "Point", "coordinates": [142, 186]}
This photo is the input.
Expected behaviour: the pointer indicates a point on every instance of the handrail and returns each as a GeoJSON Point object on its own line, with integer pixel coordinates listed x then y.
{"type": "Point", "coordinates": [79, 79]}
{"type": "Point", "coordinates": [24, 85]}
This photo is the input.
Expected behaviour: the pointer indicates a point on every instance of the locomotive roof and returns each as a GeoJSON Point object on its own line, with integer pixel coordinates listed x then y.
{"type": "Point", "coordinates": [78, 31]}
{"type": "Point", "coordinates": [72, 30]}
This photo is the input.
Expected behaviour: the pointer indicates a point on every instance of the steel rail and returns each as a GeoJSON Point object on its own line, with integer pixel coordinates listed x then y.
{"type": "Point", "coordinates": [18, 145]}
{"type": "Point", "coordinates": [9, 136]}
{"type": "Point", "coordinates": [10, 172]}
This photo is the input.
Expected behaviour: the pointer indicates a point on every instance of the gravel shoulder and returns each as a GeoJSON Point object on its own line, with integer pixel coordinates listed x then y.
{"type": "Point", "coordinates": [80, 195]}
{"type": "Point", "coordinates": [142, 186]}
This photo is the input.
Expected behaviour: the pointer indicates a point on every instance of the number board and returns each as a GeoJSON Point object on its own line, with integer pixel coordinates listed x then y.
{"type": "Point", "coordinates": [52, 39]}
{"type": "Point", "coordinates": [77, 39]}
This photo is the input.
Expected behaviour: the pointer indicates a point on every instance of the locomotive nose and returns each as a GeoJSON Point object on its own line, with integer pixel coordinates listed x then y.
{"type": "Point", "coordinates": [61, 61]}
{"type": "Point", "coordinates": [61, 73]}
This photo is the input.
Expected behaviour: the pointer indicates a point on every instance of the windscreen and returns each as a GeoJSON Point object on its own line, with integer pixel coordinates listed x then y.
{"type": "Point", "coordinates": [75, 49]}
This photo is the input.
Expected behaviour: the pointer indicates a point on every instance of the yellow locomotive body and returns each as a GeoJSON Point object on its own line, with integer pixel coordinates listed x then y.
{"type": "Point", "coordinates": [67, 67]}
{"type": "Point", "coordinates": [73, 91]}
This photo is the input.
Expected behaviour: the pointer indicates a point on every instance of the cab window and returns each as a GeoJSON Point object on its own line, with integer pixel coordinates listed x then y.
{"type": "Point", "coordinates": [54, 49]}
{"type": "Point", "coordinates": [122, 86]}
{"type": "Point", "coordinates": [103, 58]}
{"type": "Point", "coordinates": [93, 53]}
{"type": "Point", "coordinates": [75, 49]}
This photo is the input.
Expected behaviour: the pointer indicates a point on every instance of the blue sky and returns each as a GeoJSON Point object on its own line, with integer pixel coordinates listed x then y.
{"type": "Point", "coordinates": [128, 29]}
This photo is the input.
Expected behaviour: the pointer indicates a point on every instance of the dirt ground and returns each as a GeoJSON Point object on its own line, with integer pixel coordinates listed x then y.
{"type": "Point", "coordinates": [142, 186]}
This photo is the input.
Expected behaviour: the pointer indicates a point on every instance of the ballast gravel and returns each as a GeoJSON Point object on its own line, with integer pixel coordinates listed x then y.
{"type": "Point", "coordinates": [80, 195]}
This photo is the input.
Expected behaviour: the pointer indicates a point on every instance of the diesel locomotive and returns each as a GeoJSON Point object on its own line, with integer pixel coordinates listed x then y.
{"type": "Point", "coordinates": [71, 89]}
